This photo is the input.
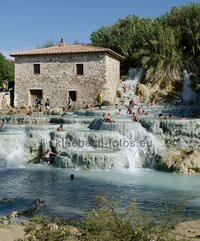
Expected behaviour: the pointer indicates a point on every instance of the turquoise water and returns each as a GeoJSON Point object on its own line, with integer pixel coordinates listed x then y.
{"type": "Point", "coordinates": [154, 191]}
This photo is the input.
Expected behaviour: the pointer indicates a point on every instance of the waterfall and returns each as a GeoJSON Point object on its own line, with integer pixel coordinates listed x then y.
{"type": "Point", "coordinates": [12, 152]}
{"type": "Point", "coordinates": [143, 147]}
{"type": "Point", "coordinates": [139, 146]}
{"type": "Point", "coordinates": [187, 93]}
{"type": "Point", "coordinates": [135, 75]}
{"type": "Point", "coordinates": [21, 144]}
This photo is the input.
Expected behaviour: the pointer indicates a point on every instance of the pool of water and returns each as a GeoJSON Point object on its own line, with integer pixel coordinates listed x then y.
{"type": "Point", "coordinates": [153, 191]}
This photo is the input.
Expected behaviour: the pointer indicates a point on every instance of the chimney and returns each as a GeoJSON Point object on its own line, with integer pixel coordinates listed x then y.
{"type": "Point", "coordinates": [62, 42]}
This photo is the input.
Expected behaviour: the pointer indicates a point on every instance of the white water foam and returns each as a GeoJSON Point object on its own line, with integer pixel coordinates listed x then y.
{"type": "Point", "coordinates": [12, 151]}
{"type": "Point", "coordinates": [143, 147]}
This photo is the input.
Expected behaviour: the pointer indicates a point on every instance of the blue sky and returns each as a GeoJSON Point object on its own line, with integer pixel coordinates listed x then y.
{"type": "Point", "coordinates": [26, 24]}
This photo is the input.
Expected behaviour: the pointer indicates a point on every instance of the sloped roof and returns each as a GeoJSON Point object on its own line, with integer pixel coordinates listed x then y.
{"type": "Point", "coordinates": [68, 49]}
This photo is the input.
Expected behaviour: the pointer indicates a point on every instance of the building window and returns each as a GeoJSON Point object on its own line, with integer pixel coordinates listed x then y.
{"type": "Point", "coordinates": [36, 68]}
{"type": "Point", "coordinates": [79, 69]}
{"type": "Point", "coordinates": [72, 95]}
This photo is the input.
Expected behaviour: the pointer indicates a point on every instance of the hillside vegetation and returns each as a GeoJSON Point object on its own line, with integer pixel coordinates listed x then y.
{"type": "Point", "coordinates": [164, 46]}
{"type": "Point", "coordinates": [6, 69]}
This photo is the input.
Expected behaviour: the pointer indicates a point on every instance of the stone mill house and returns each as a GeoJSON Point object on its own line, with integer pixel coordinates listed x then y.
{"type": "Point", "coordinates": [78, 71]}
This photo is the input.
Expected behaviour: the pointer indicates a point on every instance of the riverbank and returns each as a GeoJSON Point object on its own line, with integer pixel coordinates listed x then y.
{"type": "Point", "coordinates": [12, 232]}
{"type": "Point", "coordinates": [187, 230]}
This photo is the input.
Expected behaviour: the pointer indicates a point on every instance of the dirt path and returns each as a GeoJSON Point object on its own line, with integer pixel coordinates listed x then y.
{"type": "Point", "coordinates": [11, 232]}
{"type": "Point", "coordinates": [189, 230]}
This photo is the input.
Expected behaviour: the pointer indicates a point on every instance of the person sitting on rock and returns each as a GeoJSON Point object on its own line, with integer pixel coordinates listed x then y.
{"type": "Point", "coordinates": [47, 158]}
{"type": "Point", "coordinates": [125, 88]}
{"type": "Point", "coordinates": [132, 103]}
{"type": "Point", "coordinates": [139, 110]}
{"type": "Point", "coordinates": [152, 103]}
{"type": "Point", "coordinates": [119, 112]}
{"type": "Point", "coordinates": [88, 106]}
{"type": "Point", "coordinates": [129, 111]}
{"type": "Point", "coordinates": [135, 117]}
{"type": "Point", "coordinates": [60, 128]}
{"type": "Point", "coordinates": [108, 118]}
{"type": "Point", "coordinates": [30, 112]}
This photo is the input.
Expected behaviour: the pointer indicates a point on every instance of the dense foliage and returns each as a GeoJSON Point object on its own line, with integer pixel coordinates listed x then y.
{"type": "Point", "coordinates": [6, 69]}
{"type": "Point", "coordinates": [164, 46]}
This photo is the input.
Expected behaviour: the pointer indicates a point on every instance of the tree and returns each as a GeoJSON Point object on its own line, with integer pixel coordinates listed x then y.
{"type": "Point", "coordinates": [164, 46]}
{"type": "Point", "coordinates": [6, 69]}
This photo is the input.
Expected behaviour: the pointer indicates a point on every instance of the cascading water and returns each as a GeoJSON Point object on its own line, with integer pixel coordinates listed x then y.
{"type": "Point", "coordinates": [21, 144]}
{"type": "Point", "coordinates": [187, 93]}
{"type": "Point", "coordinates": [12, 152]}
{"type": "Point", "coordinates": [135, 75]}
{"type": "Point", "coordinates": [139, 146]}
{"type": "Point", "coordinates": [143, 147]}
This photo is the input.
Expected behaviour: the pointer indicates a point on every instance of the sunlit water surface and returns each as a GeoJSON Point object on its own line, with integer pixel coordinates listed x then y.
{"type": "Point", "coordinates": [153, 191]}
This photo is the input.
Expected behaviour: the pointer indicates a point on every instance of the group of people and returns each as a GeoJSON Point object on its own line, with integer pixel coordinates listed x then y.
{"type": "Point", "coordinates": [139, 111]}
{"type": "Point", "coordinates": [38, 105]}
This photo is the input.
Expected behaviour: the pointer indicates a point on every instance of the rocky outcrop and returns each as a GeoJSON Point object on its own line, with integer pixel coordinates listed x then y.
{"type": "Point", "coordinates": [180, 160]}
{"type": "Point", "coordinates": [176, 132]}
{"type": "Point", "coordinates": [182, 139]}
{"type": "Point", "coordinates": [143, 92]}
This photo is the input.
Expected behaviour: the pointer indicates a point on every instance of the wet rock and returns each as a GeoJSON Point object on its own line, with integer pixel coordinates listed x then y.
{"type": "Point", "coordinates": [143, 91]}
{"type": "Point", "coordinates": [37, 206]}
{"type": "Point", "coordinates": [91, 160]}
{"type": "Point", "coordinates": [182, 133]}
{"type": "Point", "coordinates": [5, 200]}
{"type": "Point", "coordinates": [9, 218]}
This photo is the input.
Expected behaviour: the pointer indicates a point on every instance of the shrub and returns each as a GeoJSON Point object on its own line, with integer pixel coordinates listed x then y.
{"type": "Point", "coordinates": [106, 222]}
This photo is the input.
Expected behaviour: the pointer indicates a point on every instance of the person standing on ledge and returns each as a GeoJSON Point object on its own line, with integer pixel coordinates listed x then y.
{"type": "Point", "coordinates": [100, 100]}
{"type": "Point", "coordinates": [47, 104]}
{"type": "Point", "coordinates": [69, 102]}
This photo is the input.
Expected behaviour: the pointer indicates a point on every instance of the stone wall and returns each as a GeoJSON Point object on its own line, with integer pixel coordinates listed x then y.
{"type": "Point", "coordinates": [112, 77]}
{"type": "Point", "coordinates": [58, 76]}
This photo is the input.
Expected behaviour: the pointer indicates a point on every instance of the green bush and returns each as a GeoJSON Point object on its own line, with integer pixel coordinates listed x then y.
{"type": "Point", "coordinates": [106, 222]}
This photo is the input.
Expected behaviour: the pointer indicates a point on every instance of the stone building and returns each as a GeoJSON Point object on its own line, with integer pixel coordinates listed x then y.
{"type": "Point", "coordinates": [79, 71]}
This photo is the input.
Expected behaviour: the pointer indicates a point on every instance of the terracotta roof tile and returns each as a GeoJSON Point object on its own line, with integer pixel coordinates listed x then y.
{"type": "Point", "coordinates": [67, 49]}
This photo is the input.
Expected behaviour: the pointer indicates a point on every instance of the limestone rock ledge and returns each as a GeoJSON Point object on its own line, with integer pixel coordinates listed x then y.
{"type": "Point", "coordinates": [178, 160]}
